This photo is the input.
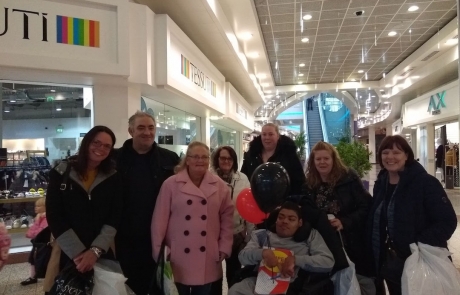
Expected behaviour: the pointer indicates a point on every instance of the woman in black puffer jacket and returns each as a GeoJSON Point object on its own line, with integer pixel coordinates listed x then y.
{"type": "Point", "coordinates": [270, 146]}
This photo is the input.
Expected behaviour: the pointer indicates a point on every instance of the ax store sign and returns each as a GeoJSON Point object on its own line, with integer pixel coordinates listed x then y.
{"type": "Point", "coordinates": [48, 28]}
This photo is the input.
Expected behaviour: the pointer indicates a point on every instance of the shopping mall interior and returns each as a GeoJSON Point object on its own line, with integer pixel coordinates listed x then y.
{"type": "Point", "coordinates": [216, 71]}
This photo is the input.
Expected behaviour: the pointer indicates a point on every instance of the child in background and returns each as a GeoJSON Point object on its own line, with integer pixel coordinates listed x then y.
{"type": "Point", "coordinates": [5, 242]}
{"type": "Point", "coordinates": [40, 223]}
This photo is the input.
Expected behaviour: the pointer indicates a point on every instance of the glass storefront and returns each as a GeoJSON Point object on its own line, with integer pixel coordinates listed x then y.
{"type": "Point", "coordinates": [175, 128]}
{"type": "Point", "coordinates": [40, 125]}
{"type": "Point", "coordinates": [222, 135]}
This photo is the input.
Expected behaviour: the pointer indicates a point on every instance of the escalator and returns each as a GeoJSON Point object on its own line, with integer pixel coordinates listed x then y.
{"type": "Point", "coordinates": [314, 128]}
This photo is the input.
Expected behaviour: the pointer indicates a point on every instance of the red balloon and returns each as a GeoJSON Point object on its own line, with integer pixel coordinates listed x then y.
{"type": "Point", "coordinates": [248, 208]}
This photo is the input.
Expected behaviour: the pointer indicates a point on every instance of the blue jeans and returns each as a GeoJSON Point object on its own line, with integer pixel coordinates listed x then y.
{"type": "Point", "coordinates": [194, 290]}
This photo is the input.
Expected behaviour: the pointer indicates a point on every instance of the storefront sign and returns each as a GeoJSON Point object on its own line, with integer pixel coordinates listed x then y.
{"type": "Point", "coordinates": [436, 106]}
{"type": "Point", "coordinates": [242, 112]}
{"type": "Point", "coordinates": [195, 75]}
{"type": "Point", "coordinates": [69, 30]}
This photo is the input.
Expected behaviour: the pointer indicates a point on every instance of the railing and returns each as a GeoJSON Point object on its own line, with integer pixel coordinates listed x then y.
{"type": "Point", "coordinates": [321, 115]}
{"type": "Point", "coordinates": [305, 128]}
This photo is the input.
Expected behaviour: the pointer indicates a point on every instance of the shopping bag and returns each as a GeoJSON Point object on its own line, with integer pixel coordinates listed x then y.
{"type": "Point", "coordinates": [429, 271]}
{"type": "Point", "coordinates": [70, 282]}
{"type": "Point", "coordinates": [164, 274]}
{"type": "Point", "coordinates": [345, 280]}
{"type": "Point", "coordinates": [42, 252]}
{"type": "Point", "coordinates": [109, 278]}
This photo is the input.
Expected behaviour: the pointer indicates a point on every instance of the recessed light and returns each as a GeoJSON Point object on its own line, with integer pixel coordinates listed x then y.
{"type": "Point", "coordinates": [301, 65]}
{"type": "Point", "coordinates": [307, 17]}
{"type": "Point", "coordinates": [246, 36]}
{"type": "Point", "coordinates": [253, 55]}
{"type": "Point", "coordinates": [300, 75]}
{"type": "Point", "coordinates": [413, 8]}
{"type": "Point", "coordinates": [305, 40]}
{"type": "Point", "coordinates": [13, 100]}
{"type": "Point", "coordinates": [382, 90]}
{"type": "Point", "coordinates": [388, 85]}
{"type": "Point", "coordinates": [300, 83]}
{"type": "Point", "coordinates": [353, 80]}
{"type": "Point", "coordinates": [52, 90]}
{"type": "Point", "coordinates": [58, 108]}
{"type": "Point", "coordinates": [452, 41]}
{"type": "Point", "coordinates": [360, 71]}
{"type": "Point", "coordinates": [372, 95]}
{"type": "Point", "coordinates": [6, 110]}
{"type": "Point", "coordinates": [392, 33]}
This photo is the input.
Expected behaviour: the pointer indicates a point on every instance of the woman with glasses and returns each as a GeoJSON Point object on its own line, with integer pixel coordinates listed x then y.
{"type": "Point", "coordinates": [193, 216]}
{"type": "Point", "coordinates": [225, 165]}
{"type": "Point", "coordinates": [84, 202]}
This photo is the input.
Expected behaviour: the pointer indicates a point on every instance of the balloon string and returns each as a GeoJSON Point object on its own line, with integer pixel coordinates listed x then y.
{"type": "Point", "coordinates": [269, 245]}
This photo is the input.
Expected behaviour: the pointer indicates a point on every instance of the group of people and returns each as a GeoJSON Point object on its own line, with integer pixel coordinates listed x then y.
{"type": "Point", "coordinates": [130, 204]}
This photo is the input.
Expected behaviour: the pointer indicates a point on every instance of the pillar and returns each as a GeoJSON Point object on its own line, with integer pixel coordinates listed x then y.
{"type": "Point", "coordinates": [1, 115]}
{"type": "Point", "coordinates": [205, 131]}
{"type": "Point", "coordinates": [113, 105]}
{"type": "Point", "coordinates": [389, 129]}
{"type": "Point", "coordinates": [431, 165]}
{"type": "Point", "coordinates": [372, 147]}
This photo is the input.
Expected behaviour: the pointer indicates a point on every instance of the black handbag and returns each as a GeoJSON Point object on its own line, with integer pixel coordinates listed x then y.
{"type": "Point", "coordinates": [70, 281]}
{"type": "Point", "coordinates": [41, 252]}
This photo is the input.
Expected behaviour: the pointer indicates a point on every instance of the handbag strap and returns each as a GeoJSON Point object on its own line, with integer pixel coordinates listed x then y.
{"type": "Point", "coordinates": [65, 177]}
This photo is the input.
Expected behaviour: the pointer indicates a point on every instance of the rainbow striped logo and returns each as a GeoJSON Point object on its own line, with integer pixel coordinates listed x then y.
{"type": "Point", "coordinates": [77, 31]}
{"type": "Point", "coordinates": [194, 74]}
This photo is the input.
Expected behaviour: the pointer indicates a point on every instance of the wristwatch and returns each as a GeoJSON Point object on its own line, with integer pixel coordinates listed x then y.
{"type": "Point", "coordinates": [96, 251]}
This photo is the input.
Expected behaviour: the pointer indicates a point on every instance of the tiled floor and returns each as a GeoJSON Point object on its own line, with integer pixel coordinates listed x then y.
{"type": "Point", "coordinates": [12, 275]}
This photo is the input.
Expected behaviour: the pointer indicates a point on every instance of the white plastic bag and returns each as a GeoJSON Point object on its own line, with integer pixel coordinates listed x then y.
{"type": "Point", "coordinates": [345, 281]}
{"type": "Point", "coordinates": [165, 278]}
{"type": "Point", "coordinates": [109, 279]}
{"type": "Point", "coordinates": [429, 271]}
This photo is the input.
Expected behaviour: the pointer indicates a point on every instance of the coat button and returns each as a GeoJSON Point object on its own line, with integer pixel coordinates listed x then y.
{"type": "Point", "coordinates": [203, 217]}
{"type": "Point", "coordinates": [188, 217]}
{"type": "Point", "coordinates": [187, 250]}
{"type": "Point", "coordinates": [202, 248]}
{"type": "Point", "coordinates": [186, 233]}
{"type": "Point", "coordinates": [189, 202]}
{"type": "Point", "coordinates": [203, 233]}
{"type": "Point", "coordinates": [204, 202]}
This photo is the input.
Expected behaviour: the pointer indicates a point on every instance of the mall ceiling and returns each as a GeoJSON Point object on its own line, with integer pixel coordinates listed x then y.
{"type": "Point", "coordinates": [25, 101]}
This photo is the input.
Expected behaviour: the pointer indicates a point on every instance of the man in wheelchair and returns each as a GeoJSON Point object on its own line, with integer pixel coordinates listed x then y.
{"type": "Point", "coordinates": [311, 255]}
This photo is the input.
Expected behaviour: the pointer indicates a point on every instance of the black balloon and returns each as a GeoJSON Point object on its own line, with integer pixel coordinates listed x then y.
{"type": "Point", "coordinates": [269, 185]}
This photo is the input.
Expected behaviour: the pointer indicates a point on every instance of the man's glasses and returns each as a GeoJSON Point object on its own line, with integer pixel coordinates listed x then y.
{"type": "Point", "coordinates": [99, 144]}
{"type": "Point", "coordinates": [226, 159]}
{"type": "Point", "coordinates": [197, 158]}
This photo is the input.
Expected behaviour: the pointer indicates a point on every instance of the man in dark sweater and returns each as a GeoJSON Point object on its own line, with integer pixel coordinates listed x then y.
{"type": "Point", "coordinates": [143, 166]}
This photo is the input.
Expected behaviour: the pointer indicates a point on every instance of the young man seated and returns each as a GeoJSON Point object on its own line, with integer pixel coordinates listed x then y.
{"type": "Point", "coordinates": [311, 255]}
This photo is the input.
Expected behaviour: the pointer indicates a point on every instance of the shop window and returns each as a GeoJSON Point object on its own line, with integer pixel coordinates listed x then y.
{"type": "Point", "coordinates": [221, 135]}
{"type": "Point", "coordinates": [175, 128]}
{"type": "Point", "coordinates": [40, 125]}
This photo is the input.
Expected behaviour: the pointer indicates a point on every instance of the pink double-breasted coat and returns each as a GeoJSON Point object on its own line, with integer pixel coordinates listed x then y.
{"type": "Point", "coordinates": [196, 223]}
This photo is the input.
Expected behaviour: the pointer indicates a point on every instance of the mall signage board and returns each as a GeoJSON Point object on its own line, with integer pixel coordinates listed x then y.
{"type": "Point", "coordinates": [81, 36]}
{"type": "Point", "coordinates": [197, 76]}
{"type": "Point", "coordinates": [437, 102]}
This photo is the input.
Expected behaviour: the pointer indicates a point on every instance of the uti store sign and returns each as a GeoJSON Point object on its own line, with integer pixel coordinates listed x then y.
{"type": "Point", "coordinates": [66, 29]}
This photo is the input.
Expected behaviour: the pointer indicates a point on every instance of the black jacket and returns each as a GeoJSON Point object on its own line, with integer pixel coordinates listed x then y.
{"type": "Point", "coordinates": [354, 202]}
{"type": "Point", "coordinates": [422, 210]}
{"type": "Point", "coordinates": [285, 154]}
{"type": "Point", "coordinates": [162, 163]}
{"type": "Point", "coordinates": [78, 219]}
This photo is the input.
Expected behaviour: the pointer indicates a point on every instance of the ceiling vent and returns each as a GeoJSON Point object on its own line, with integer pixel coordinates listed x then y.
{"type": "Point", "coordinates": [407, 72]}
{"type": "Point", "coordinates": [430, 55]}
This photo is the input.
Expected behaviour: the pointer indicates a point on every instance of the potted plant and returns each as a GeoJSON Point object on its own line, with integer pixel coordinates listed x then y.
{"type": "Point", "coordinates": [356, 156]}
{"type": "Point", "coordinates": [300, 142]}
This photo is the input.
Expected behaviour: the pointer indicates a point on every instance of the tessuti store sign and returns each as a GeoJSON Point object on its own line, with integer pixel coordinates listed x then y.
{"type": "Point", "coordinates": [79, 36]}
{"type": "Point", "coordinates": [197, 76]}
{"type": "Point", "coordinates": [68, 30]}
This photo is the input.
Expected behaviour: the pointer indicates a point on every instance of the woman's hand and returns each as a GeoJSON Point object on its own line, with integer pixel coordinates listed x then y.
{"type": "Point", "coordinates": [85, 261]}
{"type": "Point", "coordinates": [222, 256]}
{"type": "Point", "coordinates": [336, 223]}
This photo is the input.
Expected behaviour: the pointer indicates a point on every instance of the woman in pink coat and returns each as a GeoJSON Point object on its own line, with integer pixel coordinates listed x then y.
{"type": "Point", "coordinates": [194, 216]}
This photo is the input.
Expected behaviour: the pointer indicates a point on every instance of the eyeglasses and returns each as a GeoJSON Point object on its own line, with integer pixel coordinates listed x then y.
{"type": "Point", "coordinates": [197, 158]}
{"type": "Point", "coordinates": [99, 144]}
{"type": "Point", "coordinates": [226, 159]}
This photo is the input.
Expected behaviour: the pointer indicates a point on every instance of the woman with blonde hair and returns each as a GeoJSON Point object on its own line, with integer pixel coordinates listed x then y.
{"type": "Point", "coordinates": [339, 192]}
{"type": "Point", "coordinates": [193, 217]}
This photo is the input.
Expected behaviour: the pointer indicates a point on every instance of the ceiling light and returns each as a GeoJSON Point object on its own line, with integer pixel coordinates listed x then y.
{"type": "Point", "coordinates": [382, 90]}
{"type": "Point", "coordinates": [262, 76]}
{"type": "Point", "coordinates": [58, 108]}
{"type": "Point", "coordinates": [52, 90]}
{"type": "Point", "coordinates": [415, 77]}
{"type": "Point", "coordinates": [7, 109]}
{"type": "Point", "coordinates": [388, 85]}
{"type": "Point", "coordinates": [246, 36]}
{"type": "Point", "coordinates": [392, 33]}
{"type": "Point", "coordinates": [300, 83]}
{"type": "Point", "coordinates": [13, 100]}
{"type": "Point", "coordinates": [360, 71]}
{"type": "Point", "coordinates": [253, 55]}
{"type": "Point", "coordinates": [300, 75]}
{"type": "Point", "coordinates": [353, 80]}
{"type": "Point", "coordinates": [307, 17]}
{"type": "Point", "coordinates": [452, 41]}
{"type": "Point", "coordinates": [372, 95]}
{"type": "Point", "coordinates": [265, 84]}
{"type": "Point", "coordinates": [385, 96]}
{"type": "Point", "coordinates": [413, 8]}
{"type": "Point", "coordinates": [301, 65]}
{"type": "Point", "coordinates": [305, 40]}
